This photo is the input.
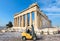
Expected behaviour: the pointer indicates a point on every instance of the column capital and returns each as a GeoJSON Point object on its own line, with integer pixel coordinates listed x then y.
{"type": "Point", "coordinates": [35, 11]}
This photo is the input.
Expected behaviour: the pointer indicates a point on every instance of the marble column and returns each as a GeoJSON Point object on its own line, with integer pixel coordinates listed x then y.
{"type": "Point", "coordinates": [14, 22]}
{"type": "Point", "coordinates": [23, 21]}
{"type": "Point", "coordinates": [36, 22]}
{"type": "Point", "coordinates": [30, 19]}
{"type": "Point", "coordinates": [49, 24]}
{"type": "Point", "coordinates": [19, 21]}
{"type": "Point", "coordinates": [41, 22]}
{"type": "Point", "coordinates": [26, 22]}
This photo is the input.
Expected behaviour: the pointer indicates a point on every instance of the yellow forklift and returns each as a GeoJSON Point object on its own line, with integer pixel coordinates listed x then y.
{"type": "Point", "coordinates": [29, 34]}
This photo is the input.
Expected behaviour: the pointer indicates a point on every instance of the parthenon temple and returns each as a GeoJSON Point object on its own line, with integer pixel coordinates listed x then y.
{"type": "Point", "coordinates": [31, 15]}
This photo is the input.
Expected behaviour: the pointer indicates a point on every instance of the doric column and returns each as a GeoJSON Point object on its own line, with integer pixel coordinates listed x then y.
{"type": "Point", "coordinates": [49, 23]}
{"type": "Point", "coordinates": [22, 21]}
{"type": "Point", "coordinates": [30, 19]}
{"type": "Point", "coordinates": [14, 22]}
{"type": "Point", "coordinates": [41, 21]}
{"type": "Point", "coordinates": [19, 21]}
{"type": "Point", "coordinates": [26, 22]}
{"type": "Point", "coordinates": [38, 18]}
{"type": "Point", "coordinates": [36, 24]}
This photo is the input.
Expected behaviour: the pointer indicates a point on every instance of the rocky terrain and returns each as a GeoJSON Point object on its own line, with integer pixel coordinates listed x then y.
{"type": "Point", "coordinates": [16, 36]}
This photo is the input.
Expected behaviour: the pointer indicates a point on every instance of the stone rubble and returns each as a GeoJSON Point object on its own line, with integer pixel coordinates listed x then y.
{"type": "Point", "coordinates": [16, 36]}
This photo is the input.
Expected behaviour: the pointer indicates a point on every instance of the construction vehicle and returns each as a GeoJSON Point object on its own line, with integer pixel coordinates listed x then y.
{"type": "Point", "coordinates": [29, 34]}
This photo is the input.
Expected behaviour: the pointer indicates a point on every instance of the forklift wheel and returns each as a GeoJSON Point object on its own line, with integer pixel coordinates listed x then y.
{"type": "Point", "coordinates": [23, 38]}
{"type": "Point", "coordinates": [34, 38]}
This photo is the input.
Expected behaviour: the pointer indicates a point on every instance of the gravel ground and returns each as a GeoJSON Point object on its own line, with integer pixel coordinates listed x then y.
{"type": "Point", "coordinates": [16, 36]}
{"type": "Point", "coordinates": [10, 36]}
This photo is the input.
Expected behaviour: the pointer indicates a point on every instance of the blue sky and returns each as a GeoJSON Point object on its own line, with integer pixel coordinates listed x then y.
{"type": "Point", "coordinates": [10, 7]}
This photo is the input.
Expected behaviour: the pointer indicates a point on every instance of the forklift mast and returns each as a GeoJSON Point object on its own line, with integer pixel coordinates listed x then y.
{"type": "Point", "coordinates": [33, 32]}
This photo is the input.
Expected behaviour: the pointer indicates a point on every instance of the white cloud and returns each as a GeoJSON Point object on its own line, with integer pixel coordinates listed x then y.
{"type": "Point", "coordinates": [58, 3]}
{"type": "Point", "coordinates": [47, 3]}
{"type": "Point", "coordinates": [51, 9]}
{"type": "Point", "coordinates": [53, 15]}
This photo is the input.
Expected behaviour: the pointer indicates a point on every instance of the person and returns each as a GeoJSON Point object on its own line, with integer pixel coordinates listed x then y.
{"type": "Point", "coordinates": [28, 31]}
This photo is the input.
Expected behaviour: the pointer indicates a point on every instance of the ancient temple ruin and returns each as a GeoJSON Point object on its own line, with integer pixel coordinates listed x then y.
{"type": "Point", "coordinates": [31, 15]}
